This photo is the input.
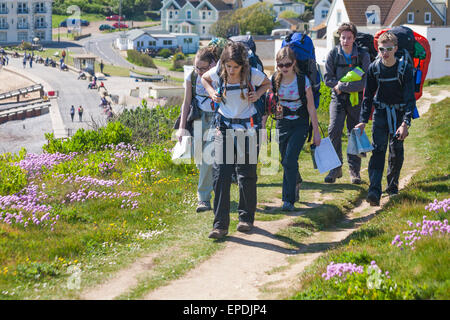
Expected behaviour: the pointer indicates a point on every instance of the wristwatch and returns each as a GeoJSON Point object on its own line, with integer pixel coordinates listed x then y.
{"type": "Point", "coordinates": [407, 122]}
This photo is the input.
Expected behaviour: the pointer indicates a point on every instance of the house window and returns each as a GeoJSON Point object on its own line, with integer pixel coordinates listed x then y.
{"type": "Point", "coordinates": [152, 43]}
{"type": "Point", "coordinates": [324, 13]}
{"type": "Point", "coordinates": [203, 29]}
{"type": "Point", "coordinates": [427, 18]}
{"type": "Point", "coordinates": [167, 42]}
{"type": "Point", "coordinates": [171, 14]}
{"type": "Point", "coordinates": [203, 15]}
{"type": "Point", "coordinates": [3, 36]}
{"type": "Point", "coordinates": [447, 52]}
{"type": "Point", "coordinates": [189, 14]}
{"type": "Point", "coordinates": [170, 28]}
{"type": "Point", "coordinates": [22, 36]}
{"type": "Point", "coordinates": [410, 17]}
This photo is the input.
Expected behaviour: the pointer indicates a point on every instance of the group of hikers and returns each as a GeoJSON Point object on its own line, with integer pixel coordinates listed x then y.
{"type": "Point", "coordinates": [222, 95]}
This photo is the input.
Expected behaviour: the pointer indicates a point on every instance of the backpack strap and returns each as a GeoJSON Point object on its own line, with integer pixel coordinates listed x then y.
{"type": "Point", "coordinates": [194, 77]}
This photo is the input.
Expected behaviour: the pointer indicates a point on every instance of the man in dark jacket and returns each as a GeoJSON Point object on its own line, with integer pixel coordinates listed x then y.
{"type": "Point", "coordinates": [390, 88]}
{"type": "Point", "coordinates": [345, 57]}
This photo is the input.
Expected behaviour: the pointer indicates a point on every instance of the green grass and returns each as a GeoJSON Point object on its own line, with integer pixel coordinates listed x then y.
{"type": "Point", "coordinates": [57, 19]}
{"type": "Point", "coordinates": [440, 81]}
{"type": "Point", "coordinates": [424, 271]}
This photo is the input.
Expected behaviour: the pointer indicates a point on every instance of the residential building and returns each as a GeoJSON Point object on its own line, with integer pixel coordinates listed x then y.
{"type": "Point", "coordinates": [139, 39]}
{"type": "Point", "coordinates": [193, 16]}
{"type": "Point", "coordinates": [25, 20]}
{"type": "Point", "coordinates": [372, 15]}
{"type": "Point", "coordinates": [285, 5]}
{"type": "Point", "coordinates": [320, 9]}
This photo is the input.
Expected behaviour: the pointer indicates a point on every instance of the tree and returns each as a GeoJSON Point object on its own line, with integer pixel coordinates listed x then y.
{"type": "Point", "coordinates": [288, 14]}
{"type": "Point", "coordinates": [256, 19]}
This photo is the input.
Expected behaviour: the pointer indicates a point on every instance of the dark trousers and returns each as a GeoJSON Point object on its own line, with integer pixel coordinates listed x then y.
{"type": "Point", "coordinates": [340, 110]}
{"type": "Point", "coordinates": [231, 155]}
{"type": "Point", "coordinates": [381, 139]}
{"type": "Point", "coordinates": [292, 136]}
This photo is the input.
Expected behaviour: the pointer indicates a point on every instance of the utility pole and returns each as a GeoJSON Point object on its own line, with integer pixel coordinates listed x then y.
{"type": "Point", "coordinates": [120, 12]}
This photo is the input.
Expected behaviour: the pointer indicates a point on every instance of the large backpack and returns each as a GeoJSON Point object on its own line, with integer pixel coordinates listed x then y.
{"type": "Point", "coordinates": [303, 47]}
{"type": "Point", "coordinates": [413, 49]}
{"type": "Point", "coordinates": [193, 108]}
{"type": "Point", "coordinates": [366, 42]}
{"type": "Point", "coordinates": [254, 62]}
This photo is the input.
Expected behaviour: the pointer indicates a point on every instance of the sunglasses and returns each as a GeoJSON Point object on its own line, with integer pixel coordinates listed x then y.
{"type": "Point", "coordinates": [388, 49]}
{"type": "Point", "coordinates": [285, 65]}
{"type": "Point", "coordinates": [201, 69]}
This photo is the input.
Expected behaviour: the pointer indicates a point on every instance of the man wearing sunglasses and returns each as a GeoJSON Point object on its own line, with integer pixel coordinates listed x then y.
{"type": "Point", "coordinates": [345, 57]}
{"type": "Point", "coordinates": [394, 102]}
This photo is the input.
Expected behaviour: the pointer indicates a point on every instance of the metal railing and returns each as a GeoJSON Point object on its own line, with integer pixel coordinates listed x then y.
{"type": "Point", "coordinates": [23, 11]}
{"type": "Point", "coordinates": [4, 10]}
{"type": "Point", "coordinates": [23, 26]}
{"type": "Point", "coordinates": [4, 26]}
{"type": "Point", "coordinates": [41, 25]}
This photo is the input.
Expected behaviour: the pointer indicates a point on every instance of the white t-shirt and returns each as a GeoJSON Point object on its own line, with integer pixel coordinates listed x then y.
{"type": "Point", "coordinates": [290, 92]}
{"type": "Point", "coordinates": [235, 107]}
{"type": "Point", "coordinates": [203, 99]}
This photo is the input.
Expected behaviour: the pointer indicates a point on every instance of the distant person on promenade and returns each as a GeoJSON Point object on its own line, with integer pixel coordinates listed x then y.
{"type": "Point", "coordinates": [72, 112]}
{"type": "Point", "coordinates": [24, 61]}
{"type": "Point", "coordinates": [31, 62]}
{"type": "Point", "coordinates": [80, 113]}
{"type": "Point", "coordinates": [101, 66]}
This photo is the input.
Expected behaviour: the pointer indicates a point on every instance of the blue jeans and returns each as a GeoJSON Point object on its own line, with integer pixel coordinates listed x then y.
{"type": "Point", "coordinates": [292, 136]}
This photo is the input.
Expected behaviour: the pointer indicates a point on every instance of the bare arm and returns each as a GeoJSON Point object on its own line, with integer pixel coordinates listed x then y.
{"type": "Point", "coordinates": [207, 84]}
{"type": "Point", "coordinates": [185, 109]}
{"type": "Point", "coordinates": [313, 115]}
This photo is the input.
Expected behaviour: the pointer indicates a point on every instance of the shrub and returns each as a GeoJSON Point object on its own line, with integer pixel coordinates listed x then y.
{"type": "Point", "coordinates": [85, 140]}
{"type": "Point", "coordinates": [165, 53]}
{"type": "Point", "coordinates": [140, 59]}
{"type": "Point", "coordinates": [12, 178]}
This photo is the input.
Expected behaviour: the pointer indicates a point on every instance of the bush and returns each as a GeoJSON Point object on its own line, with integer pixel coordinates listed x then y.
{"type": "Point", "coordinates": [25, 46]}
{"type": "Point", "coordinates": [150, 125]}
{"type": "Point", "coordinates": [85, 140]}
{"type": "Point", "coordinates": [165, 53]}
{"type": "Point", "coordinates": [140, 59]}
{"type": "Point", "coordinates": [12, 178]}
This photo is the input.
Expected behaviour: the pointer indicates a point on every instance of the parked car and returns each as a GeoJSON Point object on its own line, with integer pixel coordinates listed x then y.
{"type": "Point", "coordinates": [115, 17]}
{"type": "Point", "coordinates": [106, 27]}
{"type": "Point", "coordinates": [122, 25]}
{"type": "Point", "coordinates": [73, 22]}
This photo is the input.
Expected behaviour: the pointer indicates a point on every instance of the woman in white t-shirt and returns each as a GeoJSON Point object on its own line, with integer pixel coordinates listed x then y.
{"type": "Point", "coordinates": [195, 94]}
{"type": "Point", "coordinates": [293, 125]}
{"type": "Point", "coordinates": [236, 137]}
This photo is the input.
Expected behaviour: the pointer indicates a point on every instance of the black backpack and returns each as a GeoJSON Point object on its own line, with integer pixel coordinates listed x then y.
{"type": "Point", "coordinates": [365, 41]}
{"type": "Point", "coordinates": [194, 112]}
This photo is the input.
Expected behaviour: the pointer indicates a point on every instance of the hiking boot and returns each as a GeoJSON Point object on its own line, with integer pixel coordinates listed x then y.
{"type": "Point", "coordinates": [355, 178]}
{"type": "Point", "coordinates": [244, 226]}
{"type": "Point", "coordinates": [203, 206]}
{"type": "Point", "coordinates": [287, 206]}
{"type": "Point", "coordinates": [333, 175]}
{"type": "Point", "coordinates": [373, 200]}
{"type": "Point", "coordinates": [217, 233]}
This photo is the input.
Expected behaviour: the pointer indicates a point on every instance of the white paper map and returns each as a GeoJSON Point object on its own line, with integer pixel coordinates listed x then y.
{"type": "Point", "coordinates": [326, 157]}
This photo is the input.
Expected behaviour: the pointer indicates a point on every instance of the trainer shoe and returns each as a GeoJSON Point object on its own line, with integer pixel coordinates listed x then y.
{"type": "Point", "coordinates": [287, 206]}
{"type": "Point", "coordinates": [217, 233]}
{"type": "Point", "coordinates": [355, 178]}
{"type": "Point", "coordinates": [203, 206]}
{"type": "Point", "coordinates": [333, 175]}
{"type": "Point", "coordinates": [244, 226]}
{"type": "Point", "coordinates": [373, 200]}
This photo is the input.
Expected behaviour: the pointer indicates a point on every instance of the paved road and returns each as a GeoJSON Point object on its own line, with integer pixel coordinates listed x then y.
{"type": "Point", "coordinates": [71, 92]}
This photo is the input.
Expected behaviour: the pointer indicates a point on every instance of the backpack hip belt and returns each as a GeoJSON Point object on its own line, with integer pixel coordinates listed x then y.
{"type": "Point", "coordinates": [391, 113]}
{"type": "Point", "coordinates": [230, 121]}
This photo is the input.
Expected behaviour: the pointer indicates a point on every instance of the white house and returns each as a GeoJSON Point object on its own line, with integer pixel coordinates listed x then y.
{"type": "Point", "coordinates": [284, 5]}
{"type": "Point", "coordinates": [321, 9]}
{"type": "Point", "coordinates": [139, 39]}
{"type": "Point", "coordinates": [25, 20]}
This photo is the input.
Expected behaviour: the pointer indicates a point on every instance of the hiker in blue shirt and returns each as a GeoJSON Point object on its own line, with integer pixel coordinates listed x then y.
{"type": "Point", "coordinates": [343, 58]}
{"type": "Point", "coordinates": [295, 97]}
{"type": "Point", "coordinates": [235, 135]}
{"type": "Point", "coordinates": [392, 95]}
